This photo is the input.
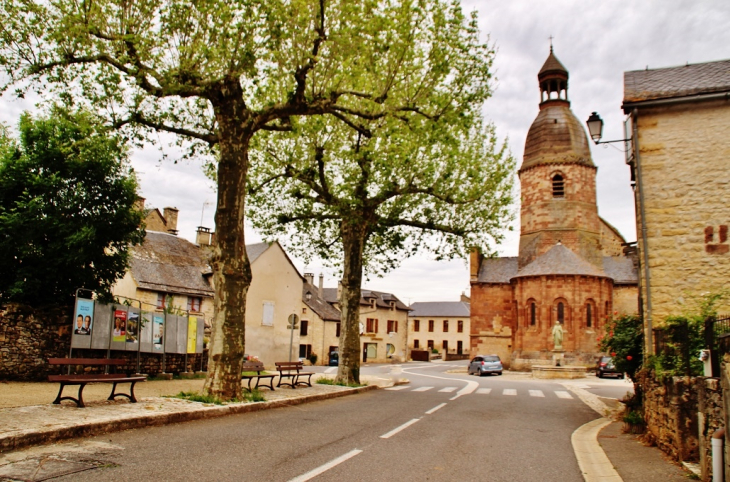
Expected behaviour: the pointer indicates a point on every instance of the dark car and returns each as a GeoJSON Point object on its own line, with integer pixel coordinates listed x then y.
{"type": "Point", "coordinates": [334, 359]}
{"type": "Point", "coordinates": [605, 366]}
{"type": "Point", "coordinates": [483, 364]}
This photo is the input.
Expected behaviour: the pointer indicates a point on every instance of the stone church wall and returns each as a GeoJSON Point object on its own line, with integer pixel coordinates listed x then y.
{"type": "Point", "coordinates": [686, 172]}
{"type": "Point", "coordinates": [491, 320]}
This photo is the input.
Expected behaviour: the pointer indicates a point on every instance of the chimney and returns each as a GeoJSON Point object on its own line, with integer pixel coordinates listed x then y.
{"type": "Point", "coordinates": [321, 285]}
{"type": "Point", "coordinates": [465, 298]}
{"type": "Point", "coordinates": [475, 263]}
{"type": "Point", "coordinates": [139, 203]}
{"type": "Point", "coordinates": [310, 278]}
{"type": "Point", "coordinates": [203, 237]}
{"type": "Point", "coordinates": [171, 218]}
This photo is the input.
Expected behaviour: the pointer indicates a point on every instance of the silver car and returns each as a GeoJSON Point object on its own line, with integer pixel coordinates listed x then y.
{"type": "Point", "coordinates": [483, 364]}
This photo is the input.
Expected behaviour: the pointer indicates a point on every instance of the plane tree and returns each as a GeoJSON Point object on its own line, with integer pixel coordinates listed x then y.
{"type": "Point", "coordinates": [364, 203]}
{"type": "Point", "coordinates": [217, 73]}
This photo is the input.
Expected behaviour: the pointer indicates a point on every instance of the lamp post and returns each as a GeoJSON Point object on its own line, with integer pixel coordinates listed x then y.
{"type": "Point", "coordinates": [595, 129]}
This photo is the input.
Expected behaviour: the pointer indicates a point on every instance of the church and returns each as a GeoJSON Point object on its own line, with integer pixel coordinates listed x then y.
{"type": "Point", "coordinates": [573, 269]}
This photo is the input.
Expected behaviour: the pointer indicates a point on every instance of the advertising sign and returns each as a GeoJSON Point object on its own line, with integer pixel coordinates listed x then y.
{"type": "Point", "coordinates": [84, 317]}
{"type": "Point", "coordinates": [132, 327]}
{"type": "Point", "coordinates": [158, 332]}
{"type": "Point", "coordinates": [120, 326]}
{"type": "Point", "coordinates": [192, 333]}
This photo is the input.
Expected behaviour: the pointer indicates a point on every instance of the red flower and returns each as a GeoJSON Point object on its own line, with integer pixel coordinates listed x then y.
{"type": "Point", "coordinates": [629, 357]}
{"type": "Point", "coordinates": [613, 353]}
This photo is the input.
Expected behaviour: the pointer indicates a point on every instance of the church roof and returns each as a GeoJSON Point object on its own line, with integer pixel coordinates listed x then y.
{"type": "Point", "coordinates": [621, 269]}
{"type": "Point", "coordinates": [440, 308]}
{"type": "Point", "coordinates": [560, 260]}
{"type": "Point", "coordinates": [672, 82]}
{"type": "Point", "coordinates": [497, 270]}
{"type": "Point", "coordinates": [556, 137]}
{"type": "Point", "coordinates": [552, 65]}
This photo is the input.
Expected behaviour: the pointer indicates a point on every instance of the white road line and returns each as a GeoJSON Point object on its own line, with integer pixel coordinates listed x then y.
{"type": "Point", "coordinates": [484, 391]}
{"type": "Point", "coordinates": [398, 429]}
{"type": "Point", "coordinates": [331, 370]}
{"type": "Point", "coordinates": [562, 394]}
{"type": "Point", "coordinates": [324, 468]}
{"type": "Point", "coordinates": [447, 389]}
{"type": "Point", "coordinates": [469, 388]}
{"type": "Point", "coordinates": [435, 408]}
{"type": "Point", "coordinates": [536, 393]}
{"type": "Point", "coordinates": [509, 391]}
{"type": "Point", "coordinates": [399, 387]}
{"type": "Point", "coordinates": [422, 389]}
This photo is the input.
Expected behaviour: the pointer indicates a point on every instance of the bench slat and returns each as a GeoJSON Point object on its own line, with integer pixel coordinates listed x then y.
{"type": "Point", "coordinates": [87, 361]}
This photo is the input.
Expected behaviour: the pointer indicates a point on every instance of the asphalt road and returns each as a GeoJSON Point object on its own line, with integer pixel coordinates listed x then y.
{"type": "Point", "coordinates": [442, 426]}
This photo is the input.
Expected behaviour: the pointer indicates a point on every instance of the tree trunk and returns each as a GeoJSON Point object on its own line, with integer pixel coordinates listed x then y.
{"type": "Point", "coordinates": [353, 241]}
{"type": "Point", "coordinates": [231, 267]}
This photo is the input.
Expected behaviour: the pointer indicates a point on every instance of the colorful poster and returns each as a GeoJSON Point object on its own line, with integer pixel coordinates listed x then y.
{"type": "Point", "coordinates": [119, 332]}
{"type": "Point", "coordinates": [158, 331]}
{"type": "Point", "coordinates": [133, 328]}
{"type": "Point", "coordinates": [84, 317]}
{"type": "Point", "coordinates": [192, 333]}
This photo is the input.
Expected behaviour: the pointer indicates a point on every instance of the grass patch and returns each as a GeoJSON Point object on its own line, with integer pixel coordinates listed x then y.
{"type": "Point", "coordinates": [255, 396]}
{"type": "Point", "coordinates": [331, 381]}
{"type": "Point", "coordinates": [253, 374]}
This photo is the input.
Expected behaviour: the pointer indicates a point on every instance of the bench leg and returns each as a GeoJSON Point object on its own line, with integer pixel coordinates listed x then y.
{"type": "Point", "coordinates": [130, 396]}
{"type": "Point", "coordinates": [78, 401]}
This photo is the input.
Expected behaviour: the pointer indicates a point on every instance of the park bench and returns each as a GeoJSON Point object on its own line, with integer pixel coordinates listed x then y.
{"type": "Point", "coordinates": [292, 371]}
{"type": "Point", "coordinates": [257, 367]}
{"type": "Point", "coordinates": [84, 379]}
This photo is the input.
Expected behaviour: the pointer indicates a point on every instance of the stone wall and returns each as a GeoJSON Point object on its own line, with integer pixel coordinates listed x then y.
{"type": "Point", "coordinates": [28, 337]}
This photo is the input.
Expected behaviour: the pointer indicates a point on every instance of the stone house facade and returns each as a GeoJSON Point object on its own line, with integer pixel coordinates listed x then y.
{"type": "Point", "coordinates": [443, 325]}
{"type": "Point", "coordinates": [573, 269]}
{"type": "Point", "coordinates": [319, 332]}
{"type": "Point", "coordinates": [680, 161]}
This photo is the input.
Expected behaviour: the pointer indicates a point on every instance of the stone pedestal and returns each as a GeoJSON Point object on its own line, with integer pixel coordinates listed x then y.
{"type": "Point", "coordinates": [551, 371]}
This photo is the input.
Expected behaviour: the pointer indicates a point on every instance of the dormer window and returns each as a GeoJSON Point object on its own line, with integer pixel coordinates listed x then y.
{"type": "Point", "coordinates": [558, 186]}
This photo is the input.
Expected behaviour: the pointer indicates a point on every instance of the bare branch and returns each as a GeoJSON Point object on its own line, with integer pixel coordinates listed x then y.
{"type": "Point", "coordinates": [301, 74]}
{"type": "Point", "coordinates": [426, 226]}
{"type": "Point", "coordinates": [137, 118]}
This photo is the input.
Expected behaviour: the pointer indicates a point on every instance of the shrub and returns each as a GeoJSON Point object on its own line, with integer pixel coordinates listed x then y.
{"type": "Point", "coordinates": [624, 340]}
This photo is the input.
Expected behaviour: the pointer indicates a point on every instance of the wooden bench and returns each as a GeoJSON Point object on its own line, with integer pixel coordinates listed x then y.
{"type": "Point", "coordinates": [292, 371]}
{"type": "Point", "coordinates": [83, 380]}
{"type": "Point", "coordinates": [257, 367]}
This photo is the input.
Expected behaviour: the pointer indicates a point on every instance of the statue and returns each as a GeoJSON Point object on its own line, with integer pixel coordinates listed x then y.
{"type": "Point", "coordinates": [558, 336]}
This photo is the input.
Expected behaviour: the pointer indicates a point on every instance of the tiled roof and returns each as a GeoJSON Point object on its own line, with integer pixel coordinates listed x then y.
{"type": "Point", "coordinates": [440, 308]}
{"type": "Point", "coordinates": [320, 306]}
{"type": "Point", "coordinates": [497, 270]}
{"type": "Point", "coordinates": [560, 260]}
{"type": "Point", "coordinates": [621, 269]}
{"type": "Point", "coordinates": [170, 264]}
{"type": "Point", "coordinates": [382, 299]}
{"type": "Point", "coordinates": [552, 64]}
{"type": "Point", "coordinates": [255, 250]}
{"type": "Point", "coordinates": [693, 79]}
{"type": "Point", "coordinates": [556, 136]}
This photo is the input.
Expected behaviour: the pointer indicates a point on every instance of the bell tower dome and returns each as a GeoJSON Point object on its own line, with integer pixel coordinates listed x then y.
{"type": "Point", "coordinates": [557, 177]}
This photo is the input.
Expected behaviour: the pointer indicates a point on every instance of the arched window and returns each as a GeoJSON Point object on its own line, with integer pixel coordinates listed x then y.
{"type": "Point", "coordinates": [561, 312]}
{"type": "Point", "coordinates": [558, 186]}
{"type": "Point", "coordinates": [589, 315]}
{"type": "Point", "coordinates": [533, 314]}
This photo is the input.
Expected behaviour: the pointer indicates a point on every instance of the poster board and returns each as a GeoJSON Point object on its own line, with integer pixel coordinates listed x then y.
{"type": "Point", "coordinates": [101, 329]}
{"type": "Point", "coordinates": [170, 339]}
{"type": "Point", "coordinates": [83, 323]}
{"type": "Point", "coordinates": [192, 333]}
{"type": "Point", "coordinates": [145, 332]}
{"type": "Point", "coordinates": [181, 347]}
{"type": "Point", "coordinates": [158, 332]}
{"type": "Point", "coordinates": [119, 327]}
{"type": "Point", "coordinates": [133, 328]}
{"type": "Point", "coordinates": [201, 334]}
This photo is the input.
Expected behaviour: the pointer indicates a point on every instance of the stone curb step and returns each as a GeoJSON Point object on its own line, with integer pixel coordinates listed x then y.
{"type": "Point", "coordinates": [17, 441]}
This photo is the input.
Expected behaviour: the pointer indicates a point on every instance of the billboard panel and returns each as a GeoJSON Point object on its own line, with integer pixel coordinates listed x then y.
{"type": "Point", "coordinates": [102, 326]}
{"type": "Point", "coordinates": [82, 323]}
{"type": "Point", "coordinates": [158, 332]}
{"type": "Point", "coordinates": [170, 333]}
{"type": "Point", "coordinates": [181, 346]}
{"type": "Point", "coordinates": [192, 333]}
{"type": "Point", "coordinates": [132, 334]}
{"type": "Point", "coordinates": [119, 327]}
{"type": "Point", "coordinates": [145, 332]}
{"type": "Point", "coordinates": [201, 334]}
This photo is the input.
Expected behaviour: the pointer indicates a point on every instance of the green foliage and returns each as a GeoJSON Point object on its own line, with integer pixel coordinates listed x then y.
{"type": "Point", "coordinates": [254, 396]}
{"type": "Point", "coordinates": [313, 358]}
{"type": "Point", "coordinates": [332, 381]}
{"type": "Point", "coordinates": [633, 418]}
{"type": "Point", "coordinates": [624, 340]}
{"type": "Point", "coordinates": [67, 209]}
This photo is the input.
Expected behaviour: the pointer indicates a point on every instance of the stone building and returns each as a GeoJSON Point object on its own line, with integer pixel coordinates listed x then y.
{"type": "Point", "coordinates": [681, 165]}
{"type": "Point", "coordinates": [571, 269]}
{"type": "Point", "coordinates": [319, 331]}
{"type": "Point", "coordinates": [440, 325]}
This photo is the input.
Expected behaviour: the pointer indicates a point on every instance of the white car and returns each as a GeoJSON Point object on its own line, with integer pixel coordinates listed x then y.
{"type": "Point", "coordinates": [485, 364]}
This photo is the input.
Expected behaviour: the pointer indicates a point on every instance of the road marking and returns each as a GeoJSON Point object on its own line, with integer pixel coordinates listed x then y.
{"type": "Point", "coordinates": [562, 394]}
{"type": "Point", "coordinates": [447, 389]}
{"type": "Point", "coordinates": [509, 391]}
{"type": "Point", "coordinates": [536, 393]}
{"type": "Point", "coordinates": [422, 389]}
{"type": "Point", "coordinates": [399, 387]}
{"type": "Point", "coordinates": [435, 408]}
{"type": "Point", "coordinates": [398, 429]}
{"type": "Point", "coordinates": [331, 370]}
{"type": "Point", "coordinates": [324, 468]}
{"type": "Point", "coordinates": [484, 391]}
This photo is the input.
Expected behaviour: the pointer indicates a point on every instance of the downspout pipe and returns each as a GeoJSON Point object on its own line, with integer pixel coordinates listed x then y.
{"type": "Point", "coordinates": [645, 243]}
{"type": "Point", "coordinates": [718, 440]}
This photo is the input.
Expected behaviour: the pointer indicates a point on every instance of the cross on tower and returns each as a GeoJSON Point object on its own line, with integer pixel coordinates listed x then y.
{"type": "Point", "coordinates": [551, 43]}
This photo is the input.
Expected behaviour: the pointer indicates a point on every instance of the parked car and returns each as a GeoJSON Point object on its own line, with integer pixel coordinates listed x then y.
{"type": "Point", "coordinates": [485, 364]}
{"type": "Point", "coordinates": [334, 359]}
{"type": "Point", "coordinates": [605, 366]}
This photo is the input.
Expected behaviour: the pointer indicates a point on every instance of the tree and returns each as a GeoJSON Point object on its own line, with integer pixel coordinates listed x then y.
{"type": "Point", "coordinates": [67, 209]}
{"type": "Point", "coordinates": [365, 203]}
{"type": "Point", "coordinates": [217, 72]}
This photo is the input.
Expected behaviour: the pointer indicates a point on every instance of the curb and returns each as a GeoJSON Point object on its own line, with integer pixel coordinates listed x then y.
{"type": "Point", "coordinates": [592, 460]}
{"type": "Point", "coordinates": [15, 442]}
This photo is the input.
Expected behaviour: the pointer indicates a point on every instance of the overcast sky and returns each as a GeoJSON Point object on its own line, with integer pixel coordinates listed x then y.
{"type": "Point", "coordinates": [595, 40]}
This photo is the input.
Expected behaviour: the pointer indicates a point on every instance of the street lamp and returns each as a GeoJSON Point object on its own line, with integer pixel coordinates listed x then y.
{"type": "Point", "coordinates": [595, 129]}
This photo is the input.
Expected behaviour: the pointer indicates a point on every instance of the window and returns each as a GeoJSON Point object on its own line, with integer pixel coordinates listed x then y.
{"type": "Point", "coordinates": [416, 325]}
{"type": "Point", "coordinates": [445, 345]}
{"type": "Point", "coordinates": [303, 327]}
{"type": "Point", "coordinates": [305, 351]}
{"type": "Point", "coordinates": [533, 314]}
{"type": "Point", "coordinates": [558, 186]}
{"type": "Point", "coordinates": [337, 330]}
{"type": "Point", "coordinates": [430, 326]}
{"type": "Point", "coordinates": [304, 311]}
{"type": "Point", "coordinates": [415, 344]}
{"type": "Point", "coordinates": [194, 304]}
{"type": "Point", "coordinates": [589, 317]}
{"type": "Point", "coordinates": [430, 344]}
{"type": "Point", "coordinates": [459, 347]}
{"type": "Point", "coordinates": [392, 326]}
{"type": "Point", "coordinates": [268, 314]}
{"type": "Point", "coordinates": [371, 325]}
{"type": "Point", "coordinates": [446, 326]}
{"type": "Point", "coordinates": [561, 312]}
{"type": "Point", "coordinates": [163, 301]}
{"type": "Point", "coordinates": [460, 326]}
